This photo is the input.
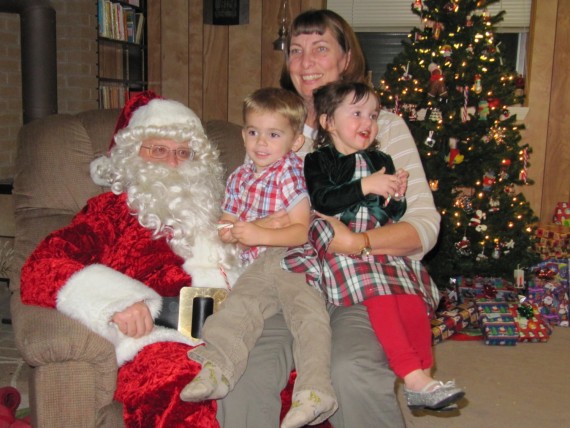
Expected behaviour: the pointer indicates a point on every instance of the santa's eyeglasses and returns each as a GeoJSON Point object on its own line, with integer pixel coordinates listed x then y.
{"type": "Point", "coordinates": [162, 152]}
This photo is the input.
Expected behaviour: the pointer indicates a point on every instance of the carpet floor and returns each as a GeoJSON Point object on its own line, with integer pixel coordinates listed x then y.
{"type": "Point", "coordinates": [521, 386]}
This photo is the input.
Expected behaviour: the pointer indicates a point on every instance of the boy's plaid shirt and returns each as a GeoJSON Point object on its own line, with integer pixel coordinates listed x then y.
{"type": "Point", "coordinates": [251, 196]}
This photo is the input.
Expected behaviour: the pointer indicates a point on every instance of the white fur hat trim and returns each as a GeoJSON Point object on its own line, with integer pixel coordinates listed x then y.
{"type": "Point", "coordinates": [163, 113]}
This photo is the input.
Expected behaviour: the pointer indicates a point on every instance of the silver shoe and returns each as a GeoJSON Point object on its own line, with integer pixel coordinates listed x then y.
{"type": "Point", "coordinates": [434, 397]}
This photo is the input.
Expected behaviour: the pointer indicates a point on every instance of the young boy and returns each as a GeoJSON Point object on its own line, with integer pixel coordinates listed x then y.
{"type": "Point", "coordinates": [270, 180]}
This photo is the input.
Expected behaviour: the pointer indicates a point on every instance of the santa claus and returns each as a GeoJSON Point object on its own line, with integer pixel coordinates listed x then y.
{"type": "Point", "coordinates": [152, 234]}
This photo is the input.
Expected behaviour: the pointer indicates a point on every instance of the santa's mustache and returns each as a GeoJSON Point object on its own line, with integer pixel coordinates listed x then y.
{"type": "Point", "coordinates": [175, 202]}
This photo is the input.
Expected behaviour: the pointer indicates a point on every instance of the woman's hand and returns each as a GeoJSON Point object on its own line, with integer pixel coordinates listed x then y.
{"type": "Point", "coordinates": [277, 220]}
{"type": "Point", "coordinates": [345, 241]}
{"type": "Point", "coordinates": [403, 176]}
{"type": "Point", "coordinates": [134, 321]}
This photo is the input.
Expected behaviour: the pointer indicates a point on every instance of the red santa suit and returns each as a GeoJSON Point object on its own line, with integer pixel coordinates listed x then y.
{"type": "Point", "coordinates": [100, 264]}
{"type": "Point", "coordinates": [105, 261]}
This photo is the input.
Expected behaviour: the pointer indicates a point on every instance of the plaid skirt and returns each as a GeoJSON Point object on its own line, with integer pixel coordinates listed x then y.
{"type": "Point", "coordinates": [349, 279]}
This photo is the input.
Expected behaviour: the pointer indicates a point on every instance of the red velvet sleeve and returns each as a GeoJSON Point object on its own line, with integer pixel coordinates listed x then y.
{"type": "Point", "coordinates": [68, 250]}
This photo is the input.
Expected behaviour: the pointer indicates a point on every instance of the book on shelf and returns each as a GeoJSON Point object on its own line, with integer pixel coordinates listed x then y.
{"type": "Point", "coordinates": [140, 26]}
{"type": "Point", "coordinates": [117, 21]}
{"type": "Point", "coordinates": [112, 96]}
{"type": "Point", "coordinates": [130, 24]}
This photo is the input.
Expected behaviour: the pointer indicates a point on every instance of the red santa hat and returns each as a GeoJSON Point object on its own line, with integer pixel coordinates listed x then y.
{"type": "Point", "coordinates": [130, 107]}
{"type": "Point", "coordinates": [147, 115]}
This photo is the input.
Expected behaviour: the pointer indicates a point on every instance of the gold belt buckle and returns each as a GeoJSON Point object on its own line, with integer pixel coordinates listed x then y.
{"type": "Point", "coordinates": [187, 302]}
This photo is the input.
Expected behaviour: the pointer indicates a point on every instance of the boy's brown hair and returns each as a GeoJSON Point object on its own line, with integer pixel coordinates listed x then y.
{"type": "Point", "coordinates": [280, 101]}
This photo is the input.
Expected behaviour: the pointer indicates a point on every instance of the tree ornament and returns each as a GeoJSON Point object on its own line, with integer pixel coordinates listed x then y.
{"type": "Point", "coordinates": [434, 185]}
{"type": "Point", "coordinates": [505, 164]}
{"type": "Point", "coordinates": [450, 7]}
{"type": "Point", "coordinates": [417, 5]}
{"type": "Point", "coordinates": [481, 257]}
{"type": "Point", "coordinates": [435, 115]}
{"type": "Point", "coordinates": [519, 85]}
{"type": "Point", "coordinates": [496, 254]}
{"type": "Point", "coordinates": [437, 28]}
{"type": "Point", "coordinates": [507, 246]}
{"type": "Point", "coordinates": [510, 189]}
{"type": "Point", "coordinates": [477, 221]}
{"type": "Point", "coordinates": [465, 203]}
{"type": "Point", "coordinates": [446, 51]}
{"type": "Point", "coordinates": [494, 205]}
{"type": "Point", "coordinates": [454, 157]}
{"type": "Point", "coordinates": [483, 109]}
{"type": "Point", "coordinates": [488, 180]}
{"type": "Point", "coordinates": [498, 133]}
{"type": "Point", "coordinates": [463, 247]}
{"type": "Point", "coordinates": [494, 103]}
{"type": "Point", "coordinates": [523, 173]}
{"type": "Point", "coordinates": [436, 84]}
{"type": "Point", "coordinates": [407, 76]}
{"type": "Point", "coordinates": [477, 87]}
{"type": "Point", "coordinates": [412, 111]}
{"type": "Point", "coordinates": [430, 141]}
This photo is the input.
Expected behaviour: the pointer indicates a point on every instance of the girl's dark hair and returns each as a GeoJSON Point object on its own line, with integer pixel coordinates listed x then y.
{"type": "Point", "coordinates": [317, 21]}
{"type": "Point", "coordinates": [329, 97]}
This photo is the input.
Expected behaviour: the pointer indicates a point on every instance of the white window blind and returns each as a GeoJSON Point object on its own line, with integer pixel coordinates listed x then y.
{"type": "Point", "coordinates": [396, 15]}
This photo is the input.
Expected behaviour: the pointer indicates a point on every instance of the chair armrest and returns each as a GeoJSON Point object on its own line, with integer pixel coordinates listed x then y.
{"type": "Point", "coordinates": [45, 336]}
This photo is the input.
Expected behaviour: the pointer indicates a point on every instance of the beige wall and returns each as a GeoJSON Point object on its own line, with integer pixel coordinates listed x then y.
{"type": "Point", "coordinates": [76, 32]}
{"type": "Point", "coordinates": [210, 67]}
{"type": "Point", "coordinates": [548, 97]}
{"type": "Point", "coordinates": [213, 67]}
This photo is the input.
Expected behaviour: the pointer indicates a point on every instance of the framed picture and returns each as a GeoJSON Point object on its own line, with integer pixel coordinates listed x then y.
{"type": "Point", "coordinates": [226, 12]}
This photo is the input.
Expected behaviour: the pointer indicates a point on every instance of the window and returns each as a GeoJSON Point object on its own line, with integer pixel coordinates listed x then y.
{"type": "Point", "coordinates": [380, 48]}
{"type": "Point", "coordinates": [381, 26]}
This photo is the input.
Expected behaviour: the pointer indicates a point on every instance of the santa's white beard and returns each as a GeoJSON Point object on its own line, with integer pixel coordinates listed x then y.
{"type": "Point", "coordinates": [177, 203]}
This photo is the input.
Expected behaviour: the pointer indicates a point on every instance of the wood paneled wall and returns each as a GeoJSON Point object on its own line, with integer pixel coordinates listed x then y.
{"type": "Point", "coordinates": [212, 68]}
{"type": "Point", "coordinates": [548, 97]}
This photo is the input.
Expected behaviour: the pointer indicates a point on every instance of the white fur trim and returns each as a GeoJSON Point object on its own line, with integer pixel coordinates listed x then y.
{"type": "Point", "coordinates": [205, 276]}
{"type": "Point", "coordinates": [204, 265]}
{"type": "Point", "coordinates": [129, 347]}
{"type": "Point", "coordinates": [95, 165]}
{"type": "Point", "coordinates": [94, 294]}
{"type": "Point", "coordinates": [159, 113]}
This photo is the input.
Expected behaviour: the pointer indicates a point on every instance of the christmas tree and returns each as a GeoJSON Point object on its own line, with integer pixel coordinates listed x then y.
{"type": "Point", "coordinates": [453, 88]}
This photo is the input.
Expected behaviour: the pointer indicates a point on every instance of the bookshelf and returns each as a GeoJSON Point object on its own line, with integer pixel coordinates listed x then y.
{"type": "Point", "coordinates": [121, 46]}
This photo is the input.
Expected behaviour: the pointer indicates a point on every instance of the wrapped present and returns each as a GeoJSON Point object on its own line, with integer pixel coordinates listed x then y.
{"type": "Point", "coordinates": [562, 214]}
{"type": "Point", "coordinates": [497, 323]}
{"type": "Point", "coordinates": [548, 289]}
{"type": "Point", "coordinates": [491, 288]}
{"type": "Point", "coordinates": [553, 241]}
{"type": "Point", "coordinates": [450, 321]}
{"type": "Point", "coordinates": [529, 322]}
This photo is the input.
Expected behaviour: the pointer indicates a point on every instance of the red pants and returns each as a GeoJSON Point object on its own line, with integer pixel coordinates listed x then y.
{"type": "Point", "coordinates": [403, 328]}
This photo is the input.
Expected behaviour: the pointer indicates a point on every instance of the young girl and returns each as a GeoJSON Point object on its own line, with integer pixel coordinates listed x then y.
{"type": "Point", "coordinates": [350, 179]}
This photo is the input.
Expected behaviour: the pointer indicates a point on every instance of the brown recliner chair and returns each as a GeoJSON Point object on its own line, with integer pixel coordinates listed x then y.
{"type": "Point", "coordinates": [74, 371]}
